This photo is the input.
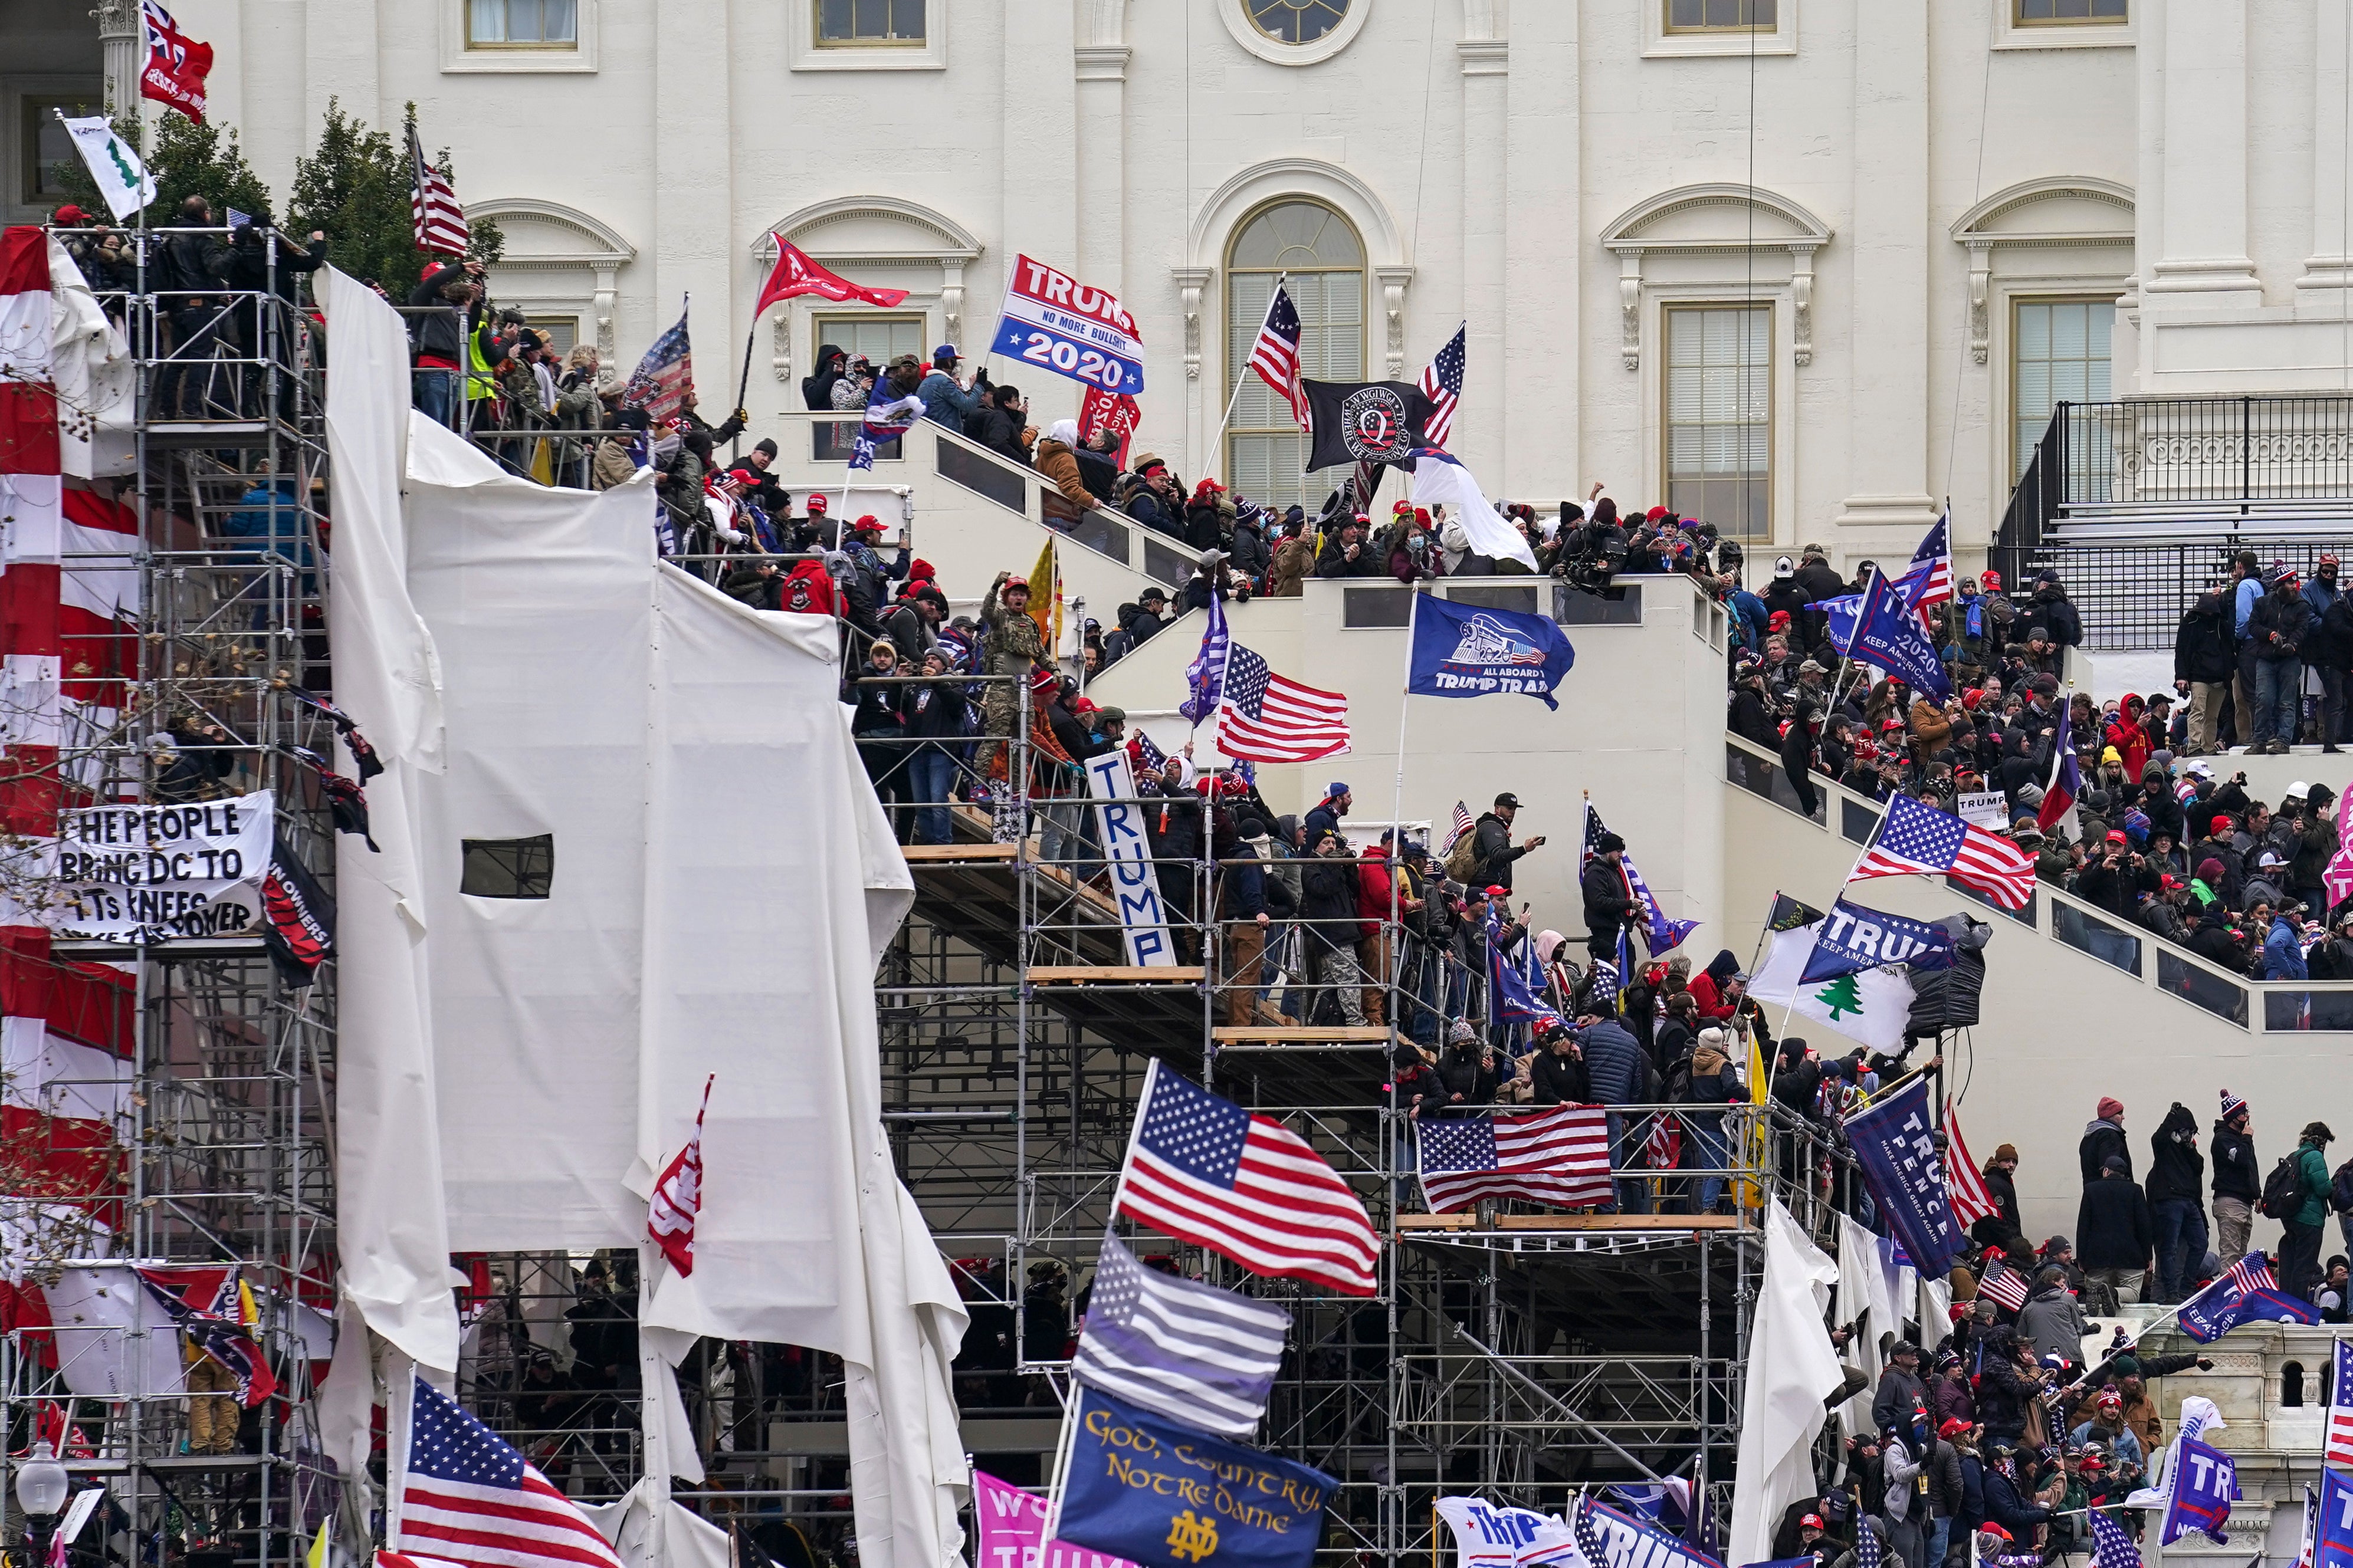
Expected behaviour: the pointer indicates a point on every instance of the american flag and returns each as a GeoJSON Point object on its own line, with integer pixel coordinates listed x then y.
{"type": "Point", "coordinates": [1559, 1156]}
{"type": "Point", "coordinates": [1462, 824]}
{"type": "Point", "coordinates": [2003, 1285]}
{"type": "Point", "coordinates": [678, 1197]}
{"type": "Point", "coordinates": [658, 384]}
{"type": "Point", "coordinates": [1588, 1539]}
{"type": "Point", "coordinates": [2110, 1547]}
{"type": "Point", "coordinates": [473, 1501]}
{"type": "Point", "coordinates": [1659, 934]}
{"type": "Point", "coordinates": [1192, 1352]}
{"type": "Point", "coordinates": [1868, 1551]}
{"type": "Point", "coordinates": [1275, 354]}
{"type": "Point", "coordinates": [1204, 1169]}
{"type": "Point", "coordinates": [1916, 840]}
{"type": "Point", "coordinates": [1149, 758]}
{"type": "Point", "coordinates": [1928, 580]}
{"type": "Point", "coordinates": [1965, 1187]}
{"type": "Point", "coordinates": [433, 204]}
{"type": "Point", "coordinates": [1441, 382]}
{"type": "Point", "coordinates": [1662, 1149]}
{"type": "Point", "coordinates": [2337, 1442]}
{"type": "Point", "coordinates": [1269, 718]}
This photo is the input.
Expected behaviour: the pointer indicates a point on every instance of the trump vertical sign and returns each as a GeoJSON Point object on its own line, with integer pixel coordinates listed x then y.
{"type": "Point", "coordinates": [1127, 855]}
{"type": "Point", "coordinates": [1058, 323]}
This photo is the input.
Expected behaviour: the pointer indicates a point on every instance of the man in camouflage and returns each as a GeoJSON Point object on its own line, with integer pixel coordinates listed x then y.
{"type": "Point", "coordinates": [1011, 646]}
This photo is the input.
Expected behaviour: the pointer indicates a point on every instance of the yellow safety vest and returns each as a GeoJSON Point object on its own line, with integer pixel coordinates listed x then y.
{"type": "Point", "coordinates": [482, 383]}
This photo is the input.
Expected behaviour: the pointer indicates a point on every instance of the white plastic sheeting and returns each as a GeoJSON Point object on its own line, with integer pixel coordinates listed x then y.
{"type": "Point", "coordinates": [1791, 1368]}
{"type": "Point", "coordinates": [722, 882]}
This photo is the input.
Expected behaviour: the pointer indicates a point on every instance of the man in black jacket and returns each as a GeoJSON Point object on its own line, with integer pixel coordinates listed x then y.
{"type": "Point", "coordinates": [2238, 1179]}
{"type": "Point", "coordinates": [1558, 1074]}
{"type": "Point", "coordinates": [439, 337]}
{"type": "Point", "coordinates": [1495, 851]}
{"type": "Point", "coordinates": [1798, 756]}
{"type": "Point", "coordinates": [2176, 1181]}
{"type": "Point", "coordinates": [2114, 1233]}
{"type": "Point", "coordinates": [2104, 1136]}
{"type": "Point", "coordinates": [1608, 902]}
{"type": "Point", "coordinates": [191, 262]}
{"type": "Point", "coordinates": [2276, 631]}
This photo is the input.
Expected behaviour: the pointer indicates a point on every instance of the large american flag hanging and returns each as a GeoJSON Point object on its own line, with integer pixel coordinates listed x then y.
{"type": "Point", "coordinates": [1964, 1186]}
{"type": "Point", "coordinates": [1559, 1156]}
{"type": "Point", "coordinates": [1204, 1169]}
{"type": "Point", "coordinates": [1276, 353]}
{"type": "Point", "coordinates": [433, 204]}
{"type": "Point", "coordinates": [1441, 381]}
{"type": "Point", "coordinates": [473, 1501]}
{"type": "Point", "coordinates": [1918, 840]}
{"type": "Point", "coordinates": [1268, 718]}
{"type": "Point", "coordinates": [2336, 1443]}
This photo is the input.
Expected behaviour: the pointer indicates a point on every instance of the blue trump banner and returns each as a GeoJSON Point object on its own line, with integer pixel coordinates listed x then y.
{"type": "Point", "coordinates": [2205, 1485]}
{"type": "Point", "coordinates": [2247, 1292]}
{"type": "Point", "coordinates": [1627, 1542]}
{"type": "Point", "coordinates": [1852, 938]}
{"type": "Point", "coordinates": [2332, 1536]}
{"type": "Point", "coordinates": [1887, 634]}
{"type": "Point", "coordinates": [1895, 1149]}
{"type": "Point", "coordinates": [1166, 1496]}
{"type": "Point", "coordinates": [1462, 651]}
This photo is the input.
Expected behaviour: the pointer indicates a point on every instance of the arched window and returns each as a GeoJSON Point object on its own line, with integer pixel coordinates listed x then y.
{"type": "Point", "coordinates": [1316, 255]}
{"type": "Point", "coordinates": [2291, 1383]}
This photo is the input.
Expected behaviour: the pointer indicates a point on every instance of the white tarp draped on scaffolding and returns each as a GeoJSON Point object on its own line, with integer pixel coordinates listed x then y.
{"type": "Point", "coordinates": [719, 882]}
{"type": "Point", "coordinates": [1790, 1368]}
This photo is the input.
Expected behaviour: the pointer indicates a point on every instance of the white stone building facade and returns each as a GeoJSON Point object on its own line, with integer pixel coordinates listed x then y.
{"type": "Point", "coordinates": [1807, 276]}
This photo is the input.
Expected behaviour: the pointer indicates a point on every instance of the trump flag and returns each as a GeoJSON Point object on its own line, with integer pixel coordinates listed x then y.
{"type": "Point", "coordinates": [1462, 650]}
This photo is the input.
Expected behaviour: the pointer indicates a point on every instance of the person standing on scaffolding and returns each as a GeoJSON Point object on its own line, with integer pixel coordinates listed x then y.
{"type": "Point", "coordinates": [1012, 645]}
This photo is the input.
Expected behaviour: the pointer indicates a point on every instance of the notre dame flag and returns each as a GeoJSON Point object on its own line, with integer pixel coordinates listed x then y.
{"type": "Point", "coordinates": [1164, 1495]}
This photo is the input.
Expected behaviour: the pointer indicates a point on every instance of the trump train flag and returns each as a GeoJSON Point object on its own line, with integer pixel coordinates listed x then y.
{"type": "Point", "coordinates": [1462, 650]}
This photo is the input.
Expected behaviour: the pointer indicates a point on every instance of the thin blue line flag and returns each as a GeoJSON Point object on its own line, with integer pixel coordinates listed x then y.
{"type": "Point", "coordinates": [1460, 650]}
{"type": "Point", "coordinates": [1205, 678]}
{"type": "Point", "coordinates": [1887, 634]}
{"type": "Point", "coordinates": [1852, 938]}
{"type": "Point", "coordinates": [1166, 1496]}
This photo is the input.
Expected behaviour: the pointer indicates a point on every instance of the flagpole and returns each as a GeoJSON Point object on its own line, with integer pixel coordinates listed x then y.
{"type": "Point", "coordinates": [1217, 442]}
{"type": "Point", "coordinates": [1397, 822]}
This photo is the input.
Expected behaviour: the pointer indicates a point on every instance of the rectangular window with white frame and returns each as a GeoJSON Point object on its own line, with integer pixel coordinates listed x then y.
{"type": "Point", "coordinates": [871, 24]}
{"type": "Point", "coordinates": [523, 23]}
{"type": "Point", "coordinates": [1721, 16]}
{"type": "Point", "coordinates": [879, 338]}
{"type": "Point", "coordinates": [1717, 415]}
{"type": "Point", "coordinates": [2058, 354]}
{"type": "Point", "coordinates": [2068, 13]}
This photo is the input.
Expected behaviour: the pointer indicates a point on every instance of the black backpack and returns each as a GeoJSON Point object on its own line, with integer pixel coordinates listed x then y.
{"type": "Point", "coordinates": [2340, 1188]}
{"type": "Point", "coordinates": [2284, 1188]}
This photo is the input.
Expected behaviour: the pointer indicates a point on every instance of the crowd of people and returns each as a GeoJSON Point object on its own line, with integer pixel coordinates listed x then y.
{"type": "Point", "coordinates": [2022, 1415]}
{"type": "Point", "coordinates": [2163, 838]}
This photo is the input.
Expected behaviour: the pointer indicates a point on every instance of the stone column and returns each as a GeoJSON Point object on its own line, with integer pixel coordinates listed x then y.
{"type": "Point", "coordinates": [1547, 295]}
{"type": "Point", "coordinates": [2203, 228]}
{"type": "Point", "coordinates": [2327, 267]}
{"type": "Point", "coordinates": [1485, 54]}
{"type": "Point", "coordinates": [694, 250]}
{"type": "Point", "coordinates": [1100, 61]}
{"type": "Point", "coordinates": [117, 35]}
{"type": "Point", "coordinates": [1887, 420]}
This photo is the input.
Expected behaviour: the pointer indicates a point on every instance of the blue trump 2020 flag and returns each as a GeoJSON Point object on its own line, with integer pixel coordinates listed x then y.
{"type": "Point", "coordinates": [2332, 1535]}
{"type": "Point", "coordinates": [1166, 1496]}
{"type": "Point", "coordinates": [1852, 938]}
{"type": "Point", "coordinates": [1895, 1149]}
{"type": "Point", "coordinates": [1887, 634]}
{"type": "Point", "coordinates": [1205, 678]}
{"type": "Point", "coordinates": [2247, 1292]}
{"type": "Point", "coordinates": [1460, 650]}
{"type": "Point", "coordinates": [2205, 1485]}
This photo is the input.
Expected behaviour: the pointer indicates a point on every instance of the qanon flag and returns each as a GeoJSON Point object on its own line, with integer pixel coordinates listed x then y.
{"type": "Point", "coordinates": [1459, 650]}
{"type": "Point", "coordinates": [1896, 1149]}
{"type": "Point", "coordinates": [1366, 421]}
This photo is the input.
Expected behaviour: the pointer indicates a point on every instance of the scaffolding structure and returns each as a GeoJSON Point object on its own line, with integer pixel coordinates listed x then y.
{"type": "Point", "coordinates": [218, 1155]}
{"type": "Point", "coordinates": [1510, 1353]}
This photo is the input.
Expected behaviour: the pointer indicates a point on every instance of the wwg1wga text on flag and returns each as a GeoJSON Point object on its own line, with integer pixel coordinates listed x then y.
{"type": "Point", "coordinates": [1204, 1169]}
{"type": "Point", "coordinates": [1263, 717]}
{"type": "Point", "coordinates": [1559, 1156]}
{"type": "Point", "coordinates": [473, 1500]}
{"type": "Point", "coordinates": [1189, 1352]}
{"type": "Point", "coordinates": [1916, 840]}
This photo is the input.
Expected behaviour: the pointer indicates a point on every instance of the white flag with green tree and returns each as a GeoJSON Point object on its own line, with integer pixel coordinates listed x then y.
{"type": "Point", "coordinates": [1869, 1005]}
{"type": "Point", "coordinates": [122, 178]}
